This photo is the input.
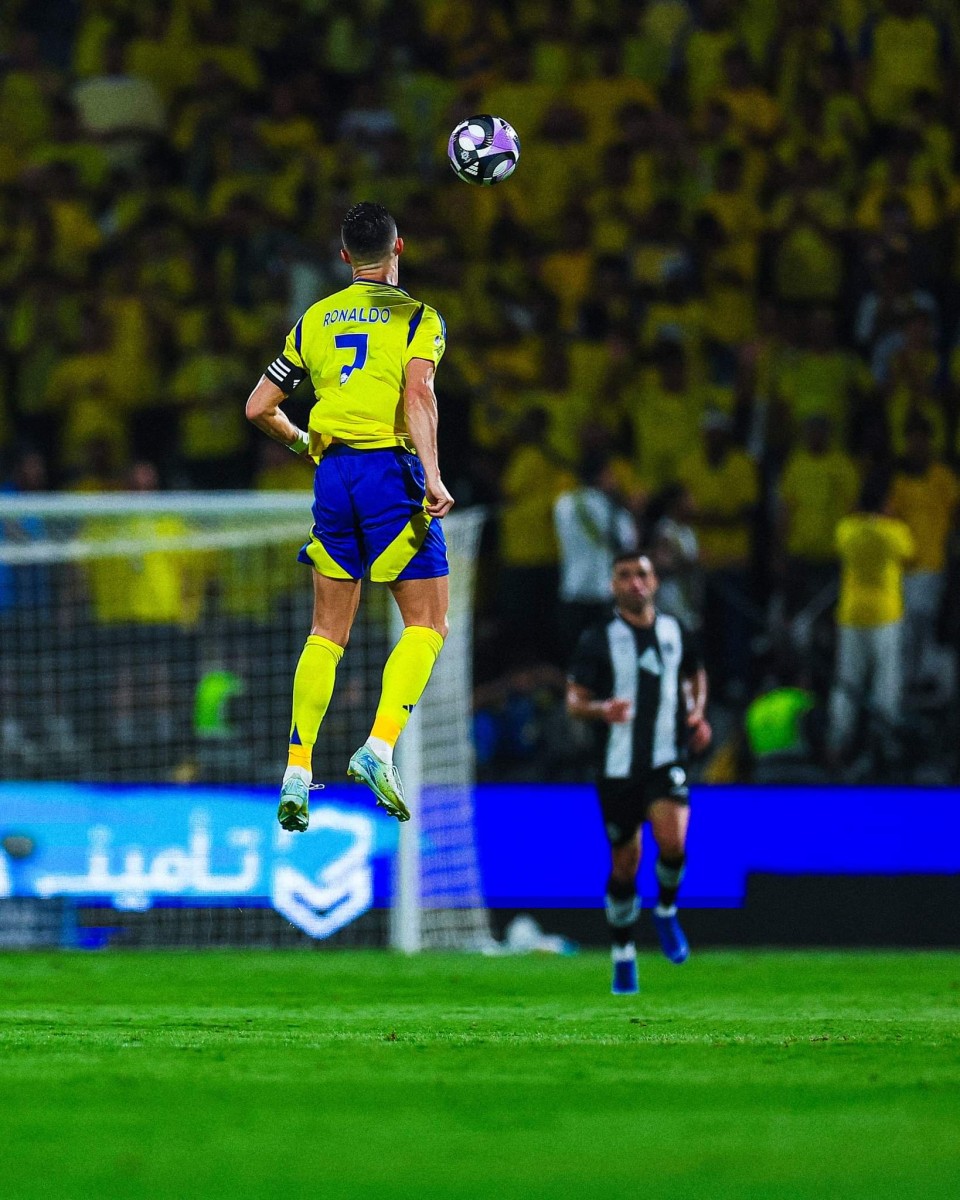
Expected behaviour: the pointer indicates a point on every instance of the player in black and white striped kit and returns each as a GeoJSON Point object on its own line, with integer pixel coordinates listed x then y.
{"type": "Point", "coordinates": [639, 676]}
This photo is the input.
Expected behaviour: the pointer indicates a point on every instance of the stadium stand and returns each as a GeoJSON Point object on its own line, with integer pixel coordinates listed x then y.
{"type": "Point", "coordinates": [731, 219]}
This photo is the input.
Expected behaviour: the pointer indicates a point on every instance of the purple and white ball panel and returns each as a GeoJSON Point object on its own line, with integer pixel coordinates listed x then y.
{"type": "Point", "coordinates": [472, 137]}
{"type": "Point", "coordinates": [483, 149]}
{"type": "Point", "coordinates": [505, 137]}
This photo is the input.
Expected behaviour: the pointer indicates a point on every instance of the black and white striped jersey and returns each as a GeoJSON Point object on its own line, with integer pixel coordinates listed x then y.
{"type": "Point", "coordinates": [647, 666]}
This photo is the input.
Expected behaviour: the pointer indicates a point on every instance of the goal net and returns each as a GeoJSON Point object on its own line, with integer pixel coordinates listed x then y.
{"type": "Point", "coordinates": [147, 650]}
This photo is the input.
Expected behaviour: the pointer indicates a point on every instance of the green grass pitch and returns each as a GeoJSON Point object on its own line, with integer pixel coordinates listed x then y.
{"type": "Point", "coordinates": [348, 1075]}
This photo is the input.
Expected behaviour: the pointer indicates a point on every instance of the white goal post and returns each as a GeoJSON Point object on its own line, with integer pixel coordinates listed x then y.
{"type": "Point", "coordinates": [152, 639]}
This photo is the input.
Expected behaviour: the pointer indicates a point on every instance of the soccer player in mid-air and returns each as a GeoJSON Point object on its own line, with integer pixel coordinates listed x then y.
{"type": "Point", "coordinates": [639, 676]}
{"type": "Point", "coordinates": [371, 352]}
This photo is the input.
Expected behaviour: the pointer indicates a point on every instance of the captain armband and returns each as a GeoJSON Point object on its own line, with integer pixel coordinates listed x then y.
{"type": "Point", "coordinates": [284, 374]}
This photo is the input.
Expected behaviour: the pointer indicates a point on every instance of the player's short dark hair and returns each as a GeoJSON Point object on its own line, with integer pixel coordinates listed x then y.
{"type": "Point", "coordinates": [368, 231]}
{"type": "Point", "coordinates": [631, 556]}
{"type": "Point", "coordinates": [592, 466]}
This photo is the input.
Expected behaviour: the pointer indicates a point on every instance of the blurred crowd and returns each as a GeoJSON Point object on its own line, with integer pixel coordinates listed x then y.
{"type": "Point", "coordinates": [715, 312]}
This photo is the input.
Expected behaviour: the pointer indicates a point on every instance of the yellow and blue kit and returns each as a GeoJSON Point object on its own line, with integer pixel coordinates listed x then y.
{"type": "Point", "coordinates": [369, 496]}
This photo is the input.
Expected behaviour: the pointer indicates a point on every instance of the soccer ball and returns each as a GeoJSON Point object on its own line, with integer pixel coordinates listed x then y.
{"type": "Point", "coordinates": [483, 150]}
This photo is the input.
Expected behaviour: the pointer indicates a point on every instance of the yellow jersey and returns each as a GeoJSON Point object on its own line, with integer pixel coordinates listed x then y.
{"type": "Point", "coordinates": [926, 503]}
{"type": "Point", "coordinates": [531, 483]}
{"type": "Point", "coordinates": [873, 551]}
{"type": "Point", "coordinates": [157, 587]}
{"type": "Point", "coordinates": [724, 490]}
{"type": "Point", "coordinates": [905, 53]}
{"type": "Point", "coordinates": [355, 346]}
{"type": "Point", "coordinates": [818, 490]}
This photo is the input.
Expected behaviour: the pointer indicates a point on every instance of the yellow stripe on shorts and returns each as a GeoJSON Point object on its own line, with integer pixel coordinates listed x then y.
{"type": "Point", "coordinates": [323, 562]}
{"type": "Point", "coordinates": [388, 565]}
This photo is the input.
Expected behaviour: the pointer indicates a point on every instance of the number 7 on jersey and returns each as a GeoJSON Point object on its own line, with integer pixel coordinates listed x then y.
{"type": "Point", "coordinates": [357, 342]}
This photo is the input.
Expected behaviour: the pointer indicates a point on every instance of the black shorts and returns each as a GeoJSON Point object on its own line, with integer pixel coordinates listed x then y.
{"type": "Point", "coordinates": [625, 802]}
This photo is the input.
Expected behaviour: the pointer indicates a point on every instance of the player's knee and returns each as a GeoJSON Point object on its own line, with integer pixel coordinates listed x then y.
{"type": "Point", "coordinates": [435, 624]}
{"type": "Point", "coordinates": [438, 624]}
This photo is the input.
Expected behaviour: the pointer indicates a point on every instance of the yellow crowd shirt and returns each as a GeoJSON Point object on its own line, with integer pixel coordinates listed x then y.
{"type": "Point", "coordinates": [355, 346]}
{"type": "Point", "coordinates": [665, 423]}
{"type": "Point", "coordinates": [818, 490]}
{"type": "Point", "coordinates": [155, 587]}
{"type": "Point", "coordinates": [531, 482]}
{"type": "Point", "coordinates": [905, 55]}
{"type": "Point", "coordinates": [873, 550]}
{"type": "Point", "coordinates": [724, 490]}
{"type": "Point", "coordinates": [926, 503]}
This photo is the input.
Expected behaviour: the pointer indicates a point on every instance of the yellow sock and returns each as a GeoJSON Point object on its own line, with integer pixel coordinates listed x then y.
{"type": "Point", "coordinates": [405, 675]}
{"type": "Point", "coordinates": [312, 689]}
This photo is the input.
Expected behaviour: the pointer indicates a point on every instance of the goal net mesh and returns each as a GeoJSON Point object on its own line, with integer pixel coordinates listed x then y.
{"type": "Point", "coordinates": [153, 639]}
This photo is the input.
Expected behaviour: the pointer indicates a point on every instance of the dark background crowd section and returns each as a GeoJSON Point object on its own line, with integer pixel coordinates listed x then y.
{"type": "Point", "coordinates": [720, 293]}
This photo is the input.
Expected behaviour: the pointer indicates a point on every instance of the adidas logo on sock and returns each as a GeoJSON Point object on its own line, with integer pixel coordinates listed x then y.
{"type": "Point", "coordinates": [409, 707]}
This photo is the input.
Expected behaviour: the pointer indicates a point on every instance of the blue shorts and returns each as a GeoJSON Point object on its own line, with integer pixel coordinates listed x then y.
{"type": "Point", "coordinates": [369, 516]}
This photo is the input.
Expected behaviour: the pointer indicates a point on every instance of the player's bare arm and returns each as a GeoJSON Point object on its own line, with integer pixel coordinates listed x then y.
{"type": "Point", "coordinates": [420, 409]}
{"type": "Point", "coordinates": [584, 706]}
{"type": "Point", "coordinates": [695, 690]}
{"type": "Point", "coordinates": [263, 410]}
